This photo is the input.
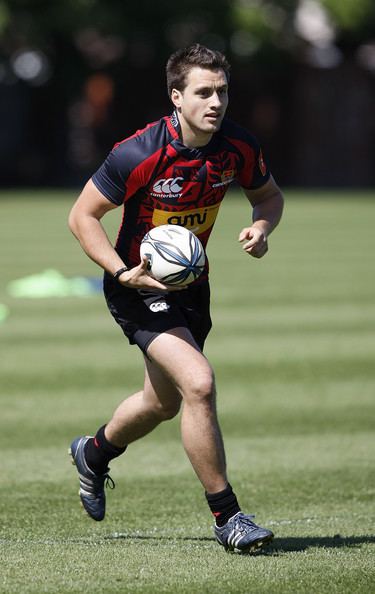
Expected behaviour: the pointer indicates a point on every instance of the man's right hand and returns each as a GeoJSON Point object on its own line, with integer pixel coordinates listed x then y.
{"type": "Point", "coordinates": [139, 278]}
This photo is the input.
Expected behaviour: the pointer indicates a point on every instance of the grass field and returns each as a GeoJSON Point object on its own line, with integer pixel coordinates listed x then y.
{"type": "Point", "coordinates": [293, 346]}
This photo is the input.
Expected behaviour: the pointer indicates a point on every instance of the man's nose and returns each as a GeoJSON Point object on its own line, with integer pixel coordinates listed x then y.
{"type": "Point", "coordinates": [215, 100]}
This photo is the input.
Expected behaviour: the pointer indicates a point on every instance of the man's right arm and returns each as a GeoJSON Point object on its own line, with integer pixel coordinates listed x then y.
{"type": "Point", "coordinates": [85, 224]}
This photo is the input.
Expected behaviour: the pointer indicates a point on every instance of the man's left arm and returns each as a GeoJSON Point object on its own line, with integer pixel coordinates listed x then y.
{"type": "Point", "coordinates": [267, 202]}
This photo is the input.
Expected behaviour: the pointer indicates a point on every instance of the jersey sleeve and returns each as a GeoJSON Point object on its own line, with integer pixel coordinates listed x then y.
{"type": "Point", "coordinates": [112, 176]}
{"type": "Point", "coordinates": [254, 172]}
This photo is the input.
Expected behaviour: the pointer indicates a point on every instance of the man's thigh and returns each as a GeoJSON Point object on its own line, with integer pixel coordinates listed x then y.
{"type": "Point", "coordinates": [181, 361]}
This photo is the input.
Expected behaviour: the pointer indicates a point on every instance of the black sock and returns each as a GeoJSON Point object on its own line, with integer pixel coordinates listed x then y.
{"type": "Point", "coordinates": [99, 452]}
{"type": "Point", "coordinates": [223, 505]}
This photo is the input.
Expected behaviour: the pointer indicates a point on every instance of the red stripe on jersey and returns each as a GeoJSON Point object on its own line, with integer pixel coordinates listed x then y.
{"type": "Point", "coordinates": [141, 175]}
{"type": "Point", "coordinates": [245, 175]}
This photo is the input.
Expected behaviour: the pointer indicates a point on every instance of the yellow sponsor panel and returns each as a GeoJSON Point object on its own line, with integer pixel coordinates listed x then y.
{"type": "Point", "coordinates": [197, 220]}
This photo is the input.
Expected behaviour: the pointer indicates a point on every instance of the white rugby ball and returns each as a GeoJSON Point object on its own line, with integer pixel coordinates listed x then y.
{"type": "Point", "coordinates": [175, 254]}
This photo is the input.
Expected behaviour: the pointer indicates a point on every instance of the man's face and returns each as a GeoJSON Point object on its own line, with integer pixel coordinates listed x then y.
{"type": "Point", "coordinates": [203, 102]}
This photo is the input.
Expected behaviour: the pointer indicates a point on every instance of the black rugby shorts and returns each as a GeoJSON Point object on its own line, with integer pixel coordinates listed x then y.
{"type": "Point", "coordinates": [143, 315]}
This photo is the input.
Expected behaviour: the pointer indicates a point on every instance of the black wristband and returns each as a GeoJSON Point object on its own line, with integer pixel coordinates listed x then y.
{"type": "Point", "coordinates": [120, 271]}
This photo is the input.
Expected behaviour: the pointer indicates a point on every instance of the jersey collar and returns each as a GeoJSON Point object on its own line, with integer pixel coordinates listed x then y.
{"type": "Point", "coordinates": [173, 125]}
{"type": "Point", "coordinates": [174, 128]}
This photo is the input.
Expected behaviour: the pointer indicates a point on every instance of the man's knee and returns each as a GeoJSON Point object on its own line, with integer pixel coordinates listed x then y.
{"type": "Point", "coordinates": [201, 389]}
{"type": "Point", "coordinates": [165, 412]}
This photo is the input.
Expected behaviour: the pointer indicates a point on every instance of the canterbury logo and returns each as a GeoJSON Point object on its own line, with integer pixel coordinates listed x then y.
{"type": "Point", "coordinates": [170, 185]}
{"type": "Point", "coordinates": [159, 306]}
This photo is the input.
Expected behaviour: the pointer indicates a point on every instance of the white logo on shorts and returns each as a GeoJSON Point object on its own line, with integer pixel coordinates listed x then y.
{"type": "Point", "coordinates": [159, 306]}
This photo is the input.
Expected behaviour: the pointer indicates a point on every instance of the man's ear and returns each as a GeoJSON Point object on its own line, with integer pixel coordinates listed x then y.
{"type": "Point", "coordinates": [176, 97]}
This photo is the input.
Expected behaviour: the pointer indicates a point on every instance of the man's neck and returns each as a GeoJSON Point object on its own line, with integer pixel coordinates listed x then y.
{"type": "Point", "coordinates": [193, 138]}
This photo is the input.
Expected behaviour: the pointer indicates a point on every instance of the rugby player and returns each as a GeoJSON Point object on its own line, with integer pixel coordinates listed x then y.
{"type": "Point", "coordinates": [176, 170]}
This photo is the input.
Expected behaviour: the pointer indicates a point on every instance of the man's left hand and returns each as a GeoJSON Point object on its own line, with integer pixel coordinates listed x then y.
{"type": "Point", "coordinates": [256, 242]}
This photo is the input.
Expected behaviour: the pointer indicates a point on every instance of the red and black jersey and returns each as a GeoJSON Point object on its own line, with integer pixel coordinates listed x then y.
{"type": "Point", "coordinates": [160, 180]}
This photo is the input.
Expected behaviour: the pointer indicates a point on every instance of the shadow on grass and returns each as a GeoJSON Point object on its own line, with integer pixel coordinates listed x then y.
{"type": "Point", "coordinates": [279, 545]}
{"type": "Point", "coordinates": [295, 544]}
{"type": "Point", "coordinates": [164, 538]}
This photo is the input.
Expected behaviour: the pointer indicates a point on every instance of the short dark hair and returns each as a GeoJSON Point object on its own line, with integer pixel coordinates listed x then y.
{"type": "Point", "coordinates": [183, 60]}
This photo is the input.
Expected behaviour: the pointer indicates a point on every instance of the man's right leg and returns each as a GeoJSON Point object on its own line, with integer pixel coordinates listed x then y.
{"type": "Point", "coordinates": [141, 413]}
{"type": "Point", "coordinates": [135, 417]}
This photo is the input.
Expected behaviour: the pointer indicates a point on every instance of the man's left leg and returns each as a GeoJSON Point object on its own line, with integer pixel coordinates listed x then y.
{"type": "Point", "coordinates": [178, 356]}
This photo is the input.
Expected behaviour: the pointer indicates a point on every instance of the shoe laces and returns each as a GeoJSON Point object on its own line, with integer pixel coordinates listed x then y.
{"type": "Point", "coordinates": [103, 480]}
{"type": "Point", "coordinates": [109, 482]}
{"type": "Point", "coordinates": [243, 522]}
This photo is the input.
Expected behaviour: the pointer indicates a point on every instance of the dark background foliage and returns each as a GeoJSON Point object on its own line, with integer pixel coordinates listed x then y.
{"type": "Point", "coordinates": [78, 75]}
